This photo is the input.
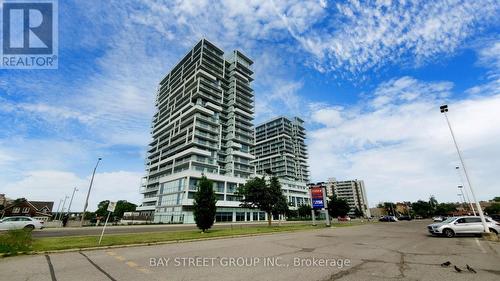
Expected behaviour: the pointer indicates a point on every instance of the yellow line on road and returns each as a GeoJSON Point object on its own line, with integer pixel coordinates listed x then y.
{"type": "Point", "coordinates": [144, 270]}
{"type": "Point", "coordinates": [131, 264]}
{"type": "Point", "coordinates": [120, 258]}
{"type": "Point", "coordinates": [111, 253]}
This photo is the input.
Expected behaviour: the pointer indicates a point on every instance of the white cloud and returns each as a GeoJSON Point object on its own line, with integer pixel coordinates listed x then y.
{"type": "Point", "coordinates": [52, 185]}
{"type": "Point", "coordinates": [364, 35]}
{"type": "Point", "coordinates": [402, 147]}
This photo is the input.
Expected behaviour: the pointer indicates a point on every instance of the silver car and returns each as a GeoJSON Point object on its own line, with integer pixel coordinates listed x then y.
{"type": "Point", "coordinates": [462, 225]}
{"type": "Point", "coordinates": [20, 223]}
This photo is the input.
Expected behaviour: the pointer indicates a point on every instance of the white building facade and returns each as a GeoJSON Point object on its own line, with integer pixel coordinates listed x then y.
{"type": "Point", "coordinates": [203, 125]}
{"type": "Point", "coordinates": [280, 150]}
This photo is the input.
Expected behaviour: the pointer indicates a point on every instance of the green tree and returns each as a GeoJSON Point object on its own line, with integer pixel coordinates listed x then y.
{"type": "Point", "coordinates": [281, 206]}
{"type": "Point", "coordinates": [422, 208]}
{"type": "Point", "coordinates": [445, 208]}
{"type": "Point", "coordinates": [304, 211]}
{"type": "Point", "coordinates": [204, 204]}
{"type": "Point", "coordinates": [496, 199]}
{"type": "Point", "coordinates": [338, 207]}
{"type": "Point", "coordinates": [102, 208]}
{"type": "Point", "coordinates": [358, 213]}
{"type": "Point", "coordinates": [266, 197]}
{"type": "Point", "coordinates": [123, 206]}
{"type": "Point", "coordinates": [493, 209]}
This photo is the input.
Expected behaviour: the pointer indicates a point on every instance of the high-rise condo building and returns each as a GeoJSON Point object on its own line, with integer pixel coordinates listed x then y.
{"type": "Point", "coordinates": [353, 191]}
{"type": "Point", "coordinates": [280, 150]}
{"type": "Point", "coordinates": [203, 125]}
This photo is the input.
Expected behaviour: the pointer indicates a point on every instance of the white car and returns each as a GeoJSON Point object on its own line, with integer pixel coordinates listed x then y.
{"type": "Point", "coordinates": [438, 219]}
{"type": "Point", "coordinates": [462, 225]}
{"type": "Point", "coordinates": [20, 223]}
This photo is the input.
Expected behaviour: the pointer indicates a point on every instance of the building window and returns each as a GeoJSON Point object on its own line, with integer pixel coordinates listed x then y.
{"type": "Point", "coordinates": [26, 210]}
{"type": "Point", "coordinates": [16, 210]}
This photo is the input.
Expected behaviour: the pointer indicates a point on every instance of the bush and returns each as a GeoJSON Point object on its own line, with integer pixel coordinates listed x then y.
{"type": "Point", "coordinates": [14, 241]}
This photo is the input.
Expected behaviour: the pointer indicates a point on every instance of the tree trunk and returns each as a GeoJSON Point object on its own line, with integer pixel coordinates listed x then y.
{"type": "Point", "coordinates": [269, 218]}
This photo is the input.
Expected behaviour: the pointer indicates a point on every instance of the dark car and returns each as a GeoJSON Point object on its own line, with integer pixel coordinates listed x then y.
{"type": "Point", "coordinates": [405, 218]}
{"type": "Point", "coordinates": [388, 219]}
{"type": "Point", "coordinates": [495, 217]}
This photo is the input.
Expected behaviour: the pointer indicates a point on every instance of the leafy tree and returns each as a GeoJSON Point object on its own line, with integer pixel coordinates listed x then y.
{"type": "Point", "coordinates": [304, 211]}
{"type": "Point", "coordinates": [422, 208]}
{"type": "Point", "coordinates": [89, 215]}
{"type": "Point", "coordinates": [204, 204]}
{"type": "Point", "coordinates": [338, 207]}
{"type": "Point", "coordinates": [445, 208]}
{"type": "Point", "coordinates": [102, 208]}
{"type": "Point", "coordinates": [493, 209]}
{"type": "Point", "coordinates": [266, 197]}
{"type": "Point", "coordinates": [358, 213]}
{"type": "Point", "coordinates": [433, 203]}
{"type": "Point", "coordinates": [281, 206]}
{"type": "Point", "coordinates": [123, 206]}
{"type": "Point", "coordinates": [496, 199]}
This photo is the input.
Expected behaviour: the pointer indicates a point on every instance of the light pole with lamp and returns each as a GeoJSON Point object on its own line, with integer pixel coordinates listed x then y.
{"type": "Point", "coordinates": [444, 109]}
{"type": "Point", "coordinates": [466, 193]}
{"type": "Point", "coordinates": [64, 204]}
{"type": "Point", "coordinates": [71, 201]}
{"type": "Point", "coordinates": [88, 193]}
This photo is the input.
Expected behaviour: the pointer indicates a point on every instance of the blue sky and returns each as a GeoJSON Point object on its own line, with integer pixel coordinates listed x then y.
{"type": "Point", "coordinates": [368, 78]}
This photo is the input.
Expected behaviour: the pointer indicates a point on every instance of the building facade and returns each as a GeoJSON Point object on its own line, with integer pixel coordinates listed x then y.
{"type": "Point", "coordinates": [41, 210]}
{"type": "Point", "coordinates": [353, 191]}
{"type": "Point", "coordinates": [203, 125]}
{"type": "Point", "coordinates": [280, 150]}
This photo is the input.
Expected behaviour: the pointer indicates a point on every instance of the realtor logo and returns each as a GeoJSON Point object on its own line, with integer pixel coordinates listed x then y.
{"type": "Point", "coordinates": [29, 34]}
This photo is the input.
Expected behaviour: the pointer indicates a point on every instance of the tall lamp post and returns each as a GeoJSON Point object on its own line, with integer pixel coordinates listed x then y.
{"type": "Point", "coordinates": [71, 201]}
{"type": "Point", "coordinates": [444, 109]}
{"type": "Point", "coordinates": [466, 193]}
{"type": "Point", "coordinates": [88, 193]}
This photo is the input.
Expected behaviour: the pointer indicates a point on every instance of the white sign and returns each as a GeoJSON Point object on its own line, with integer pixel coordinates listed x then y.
{"type": "Point", "coordinates": [111, 206]}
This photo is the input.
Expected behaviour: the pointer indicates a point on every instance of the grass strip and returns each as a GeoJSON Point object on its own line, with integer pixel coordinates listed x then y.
{"type": "Point", "coordinates": [79, 242]}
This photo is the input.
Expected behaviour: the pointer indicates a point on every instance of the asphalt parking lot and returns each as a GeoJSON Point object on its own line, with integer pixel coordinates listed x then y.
{"type": "Point", "coordinates": [381, 251]}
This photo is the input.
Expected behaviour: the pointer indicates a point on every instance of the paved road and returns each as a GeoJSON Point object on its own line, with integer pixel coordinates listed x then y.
{"type": "Point", "coordinates": [383, 251]}
{"type": "Point", "coordinates": [125, 229]}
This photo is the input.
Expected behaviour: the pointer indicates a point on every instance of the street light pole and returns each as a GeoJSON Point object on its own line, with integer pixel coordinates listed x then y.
{"type": "Point", "coordinates": [466, 193]}
{"type": "Point", "coordinates": [444, 109]}
{"type": "Point", "coordinates": [88, 193]}
{"type": "Point", "coordinates": [64, 204]}
{"type": "Point", "coordinates": [58, 207]}
{"type": "Point", "coordinates": [462, 196]}
{"type": "Point", "coordinates": [71, 201]}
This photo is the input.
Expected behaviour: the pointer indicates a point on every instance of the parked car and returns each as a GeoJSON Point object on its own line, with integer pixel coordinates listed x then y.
{"type": "Point", "coordinates": [346, 218]}
{"type": "Point", "coordinates": [462, 225]}
{"type": "Point", "coordinates": [438, 219]}
{"type": "Point", "coordinates": [495, 217]}
{"type": "Point", "coordinates": [20, 223]}
{"type": "Point", "coordinates": [405, 218]}
{"type": "Point", "coordinates": [388, 219]}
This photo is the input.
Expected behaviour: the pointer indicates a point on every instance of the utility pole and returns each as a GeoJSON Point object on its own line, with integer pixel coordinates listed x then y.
{"type": "Point", "coordinates": [466, 193]}
{"type": "Point", "coordinates": [71, 201]}
{"type": "Point", "coordinates": [64, 204]}
{"type": "Point", "coordinates": [88, 193]}
{"type": "Point", "coordinates": [444, 109]}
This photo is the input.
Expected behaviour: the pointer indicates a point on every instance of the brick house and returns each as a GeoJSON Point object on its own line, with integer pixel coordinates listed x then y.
{"type": "Point", "coordinates": [41, 210]}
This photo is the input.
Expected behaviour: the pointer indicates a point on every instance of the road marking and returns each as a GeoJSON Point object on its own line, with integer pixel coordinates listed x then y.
{"type": "Point", "coordinates": [120, 258]}
{"type": "Point", "coordinates": [480, 247]}
{"type": "Point", "coordinates": [131, 264]}
{"type": "Point", "coordinates": [111, 253]}
{"type": "Point", "coordinates": [51, 268]}
{"type": "Point", "coordinates": [99, 268]}
{"type": "Point", "coordinates": [144, 270]}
